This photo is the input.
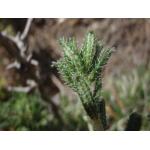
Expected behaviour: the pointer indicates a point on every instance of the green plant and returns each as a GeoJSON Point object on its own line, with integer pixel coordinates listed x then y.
{"type": "Point", "coordinates": [81, 69]}
{"type": "Point", "coordinates": [23, 112]}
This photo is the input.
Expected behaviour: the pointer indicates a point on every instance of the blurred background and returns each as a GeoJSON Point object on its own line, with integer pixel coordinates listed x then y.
{"type": "Point", "coordinates": [32, 94]}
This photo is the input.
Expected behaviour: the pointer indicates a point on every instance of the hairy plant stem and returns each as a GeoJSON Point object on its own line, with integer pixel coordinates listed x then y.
{"type": "Point", "coordinates": [97, 124]}
{"type": "Point", "coordinates": [80, 69]}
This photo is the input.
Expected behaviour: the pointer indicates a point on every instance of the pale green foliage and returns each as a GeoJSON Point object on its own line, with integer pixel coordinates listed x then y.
{"type": "Point", "coordinates": [81, 69]}
{"type": "Point", "coordinates": [127, 92]}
